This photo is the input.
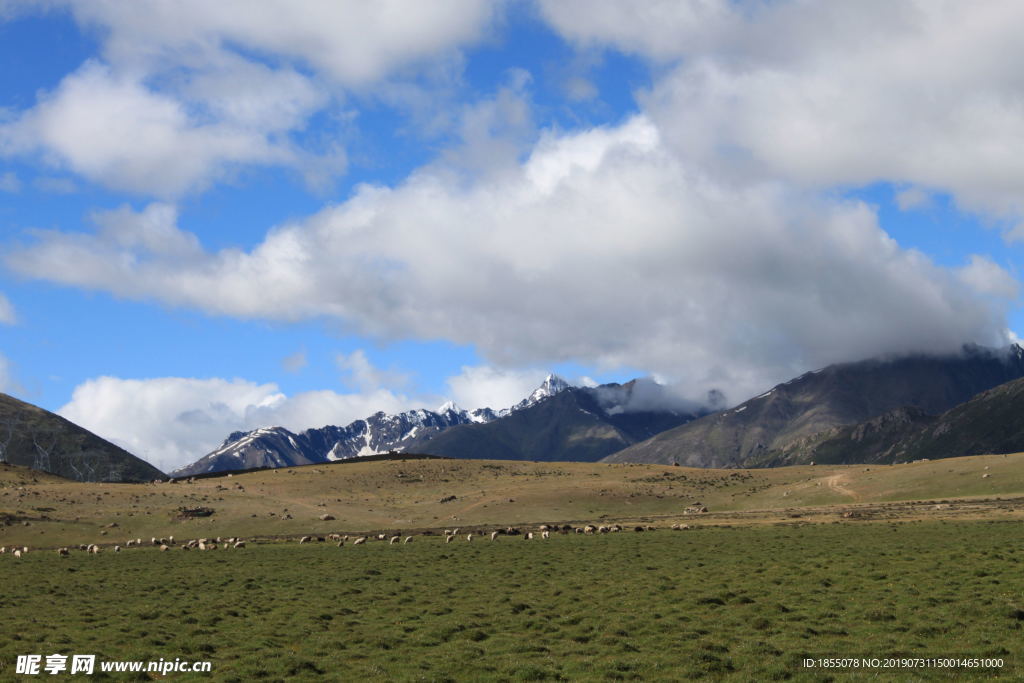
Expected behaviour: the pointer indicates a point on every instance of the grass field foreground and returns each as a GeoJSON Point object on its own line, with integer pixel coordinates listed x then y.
{"type": "Point", "coordinates": [740, 603]}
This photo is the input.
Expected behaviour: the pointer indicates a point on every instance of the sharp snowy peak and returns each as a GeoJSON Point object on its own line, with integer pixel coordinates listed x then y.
{"type": "Point", "coordinates": [379, 433]}
{"type": "Point", "coordinates": [552, 385]}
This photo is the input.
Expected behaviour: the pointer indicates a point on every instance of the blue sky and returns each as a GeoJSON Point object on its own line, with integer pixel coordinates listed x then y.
{"type": "Point", "coordinates": [216, 217]}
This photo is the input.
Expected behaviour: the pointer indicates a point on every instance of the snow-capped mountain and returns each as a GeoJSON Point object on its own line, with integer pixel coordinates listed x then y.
{"type": "Point", "coordinates": [379, 433]}
{"type": "Point", "coordinates": [552, 385]}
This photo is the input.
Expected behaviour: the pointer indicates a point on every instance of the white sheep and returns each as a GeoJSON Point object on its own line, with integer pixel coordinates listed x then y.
{"type": "Point", "coordinates": [528, 536]}
{"type": "Point", "coordinates": [545, 534]}
{"type": "Point", "coordinates": [239, 544]}
{"type": "Point", "coordinates": [304, 539]}
{"type": "Point", "coordinates": [117, 548]}
{"type": "Point", "coordinates": [448, 539]}
{"type": "Point", "coordinates": [408, 539]}
{"type": "Point", "coordinates": [394, 540]}
{"type": "Point", "coordinates": [469, 537]}
{"type": "Point", "coordinates": [63, 552]}
{"type": "Point", "coordinates": [359, 541]}
{"type": "Point", "coordinates": [494, 535]}
{"type": "Point", "coordinates": [163, 548]}
{"type": "Point", "coordinates": [17, 553]}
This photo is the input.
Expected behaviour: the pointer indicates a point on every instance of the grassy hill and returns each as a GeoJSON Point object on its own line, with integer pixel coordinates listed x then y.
{"type": "Point", "coordinates": [37, 438]}
{"type": "Point", "coordinates": [407, 494]}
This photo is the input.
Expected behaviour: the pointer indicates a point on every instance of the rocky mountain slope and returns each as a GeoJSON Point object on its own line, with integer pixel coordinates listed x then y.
{"type": "Point", "coordinates": [794, 412]}
{"type": "Point", "coordinates": [991, 422]}
{"type": "Point", "coordinates": [579, 424]}
{"type": "Point", "coordinates": [36, 438]}
{"type": "Point", "coordinates": [279, 447]}
{"type": "Point", "coordinates": [556, 422]}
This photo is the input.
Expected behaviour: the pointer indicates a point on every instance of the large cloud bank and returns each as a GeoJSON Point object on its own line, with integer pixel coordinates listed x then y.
{"type": "Point", "coordinates": [603, 246]}
{"type": "Point", "coordinates": [704, 239]}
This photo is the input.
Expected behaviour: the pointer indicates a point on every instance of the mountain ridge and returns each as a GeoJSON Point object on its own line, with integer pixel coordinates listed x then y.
{"type": "Point", "coordinates": [376, 434]}
{"type": "Point", "coordinates": [34, 437]}
{"type": "Point", "coordinates": [988, 423]}
{"type": "Point", "coordinates": [834, 396]}
{"type": "Point", "coordinates": [612, 424]}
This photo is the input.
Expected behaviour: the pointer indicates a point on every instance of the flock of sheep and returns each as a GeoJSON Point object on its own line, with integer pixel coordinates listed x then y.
{"type": "Point", "coordinates": [543, 531]}
{"type": "Point", "coordinates": [164, 544]}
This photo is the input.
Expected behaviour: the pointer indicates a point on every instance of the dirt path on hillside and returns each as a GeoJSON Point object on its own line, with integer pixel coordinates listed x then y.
{"type": "Point", "coordinates": [836, 483]}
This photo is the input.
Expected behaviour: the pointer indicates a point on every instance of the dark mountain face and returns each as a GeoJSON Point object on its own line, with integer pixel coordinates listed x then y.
{"type": "Point", "coordinates": [556, 422]}
{"type": "Point", "coordinates": [799, 411]}
{"type": "Point", "coordinates": [36, 438]}
{"type": "Point", "coordinates": [577, 425]}
{"type": "Point", "coordinates": [991, 422]}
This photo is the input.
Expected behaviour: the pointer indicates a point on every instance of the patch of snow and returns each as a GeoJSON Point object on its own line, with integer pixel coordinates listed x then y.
{"type": "Point", "coordinates": [335, 453]}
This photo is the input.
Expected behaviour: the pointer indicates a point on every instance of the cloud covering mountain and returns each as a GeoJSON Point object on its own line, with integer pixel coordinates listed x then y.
{"type": "Point", "coordinates": [708, 218]}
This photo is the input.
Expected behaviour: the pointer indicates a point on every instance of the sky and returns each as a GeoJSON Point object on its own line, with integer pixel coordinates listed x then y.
{"type": "Point", "coordinates": [220, 216]}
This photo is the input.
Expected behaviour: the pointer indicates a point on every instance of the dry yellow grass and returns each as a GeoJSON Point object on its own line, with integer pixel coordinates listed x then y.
{"type": "Point", "coordinates": [407, 494]}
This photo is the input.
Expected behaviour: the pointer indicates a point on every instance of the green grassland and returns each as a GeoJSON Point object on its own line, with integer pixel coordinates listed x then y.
{"type": "Point", "coordinates": [40, 510]}
{"type": "Point", "coordinates": [730, 603]}
{"type": "Point", "coordinates": [921, 559]}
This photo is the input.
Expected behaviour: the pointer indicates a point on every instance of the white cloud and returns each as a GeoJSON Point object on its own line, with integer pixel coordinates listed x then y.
{"type": "Point", "coordinates": [9, 182]}
{"type": "Point", "coordinates": [825, 94]}
{"type": "Point", "coordinates": [351, 42]}
{"type": "Point", "coordinates": [188, 93]}
{"type": "Point", "coordinates": [111, 129]}
{"type": "Point", "coordinates": [361, 374]}
{"type": "Point", "coordinates": [173, 421]}
{"type": "Point", "coordinates": [7, 314]}
{"type": "Point", "coordinates": [604, 247]}
{"type": "Point", "coordinates": [987, 277]}
{"type": "Point", "coordinates": [700, 240]}
{"type": "Point", "coordinates": [484, 386]}
{"type": "Point", "coordinates": [662, 29]}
